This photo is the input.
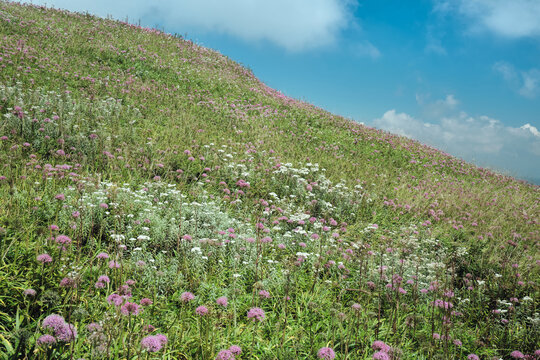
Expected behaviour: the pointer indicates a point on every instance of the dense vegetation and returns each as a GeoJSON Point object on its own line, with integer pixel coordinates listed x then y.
{"type": "Point", "coordinates": [158, 201]}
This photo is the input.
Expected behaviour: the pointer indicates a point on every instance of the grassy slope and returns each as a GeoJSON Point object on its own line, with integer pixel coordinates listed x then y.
{"type": "Point", "coordinates": [178, 96]}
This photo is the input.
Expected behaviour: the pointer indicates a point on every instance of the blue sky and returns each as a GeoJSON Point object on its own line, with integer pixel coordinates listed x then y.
{"type": "Point", "coordinates": [461, 75]}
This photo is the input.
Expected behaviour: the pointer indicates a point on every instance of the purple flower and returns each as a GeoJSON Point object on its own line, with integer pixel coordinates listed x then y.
{"type": "Point", "coordinates": [356, 307]}
{"type": "Point", "coordinates": [266, 240]}
{"type": "Point", "coordinates": [53, 322]}
{"type": "Point", "coordinates": [187, 297]}
{"type": "Point", "coordinates": [235, 349]}
{"type": "Point", "coordinates": [223, 301]}
{"type": "Point", "coordinates": [115, 299]}
{"type": "Point", "coordinates": [146, 302]}
{"type": "Point", "coordinates": [473, 357]}
{"type": "Point", "coordinates": [225, 355]}
{"type": "Point", "coordinates": [44, 258]}
{"type": "Point", "coordinates": [103, 206]}
{"type": "Point", "coordinates": [162, 339]}
{"type": "Point", "coordinates": [46, 340]}
{"type": "Point", "coordinates": [380, 345]}
{"type": "Point", "coordinates": [201, 310]}
{"type": "Point", "coordinates": [381, 355]}
{"type": "Point", "coordinates": [326, 353]}
{"type": "Point", "coordinates": [68, 282]}
{"type": "Point", "coordinates": [63, 331]}
{"type": "Point", "coordinates": [114, 265]}
{"type": "Point", "coordinates": [153, 343]}
{"type": "Point", "coordinates": [256, 314]}
{"type": "Point", "coordinates": [29, 292]}
{"type": "Point", "coordinates": [104, 279]}
{"type": "Point", "coordinates": [102, 255]}
{"type": "Point", "coordinates": [67, 333]}
{"type": "Point", "coordinates": [130, 308]}
{"type": "Point", "coordinates": [264, 294]}
{"type": "Point", "coordinates": [60, 197]}
{"type": "Point", "coordinates": [517, 354]}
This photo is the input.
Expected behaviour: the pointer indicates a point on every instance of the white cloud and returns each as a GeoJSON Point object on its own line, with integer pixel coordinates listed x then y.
{"type": "Point", "coordinates": [531, 83]}
{"type": "Point", "coordinates": [526, 83]}
{"type": "Point", "coordinates": [508, 18]}
{"type": "Point", "coordinates": [482, 140]}
{"type": "Point", "coordinates": [439, 108]}
{"type": "Point", "coordinates": [366, 49]}
{"type": "Point", "coordinates": [294, 25]}
{"type": "Point", "coordinates": [531, 128]}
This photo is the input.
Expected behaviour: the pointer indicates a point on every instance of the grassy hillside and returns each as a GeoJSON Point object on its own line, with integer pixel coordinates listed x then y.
{"type": "Point", "coordinates": [158, 201]}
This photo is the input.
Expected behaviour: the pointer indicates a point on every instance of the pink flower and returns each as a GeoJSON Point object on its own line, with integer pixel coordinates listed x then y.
{"type": "Point", "coordinates": [223, 301]}
{"type": "Point", "coordinates": [146, 302]}
{"type": "Point", "coordinates": [381, 355]}
{"type": "Point", "coordinates": [46, 340]}
{"type": "Point", "coordinates": [225, 355]}
{"type": "Point", "coordinates": [235, 349]}
{"type": "Point", "coordinates": [256, 314]}
{"type": "Point", "coordinates": [380, 345]}
{"type": "Point", "coordinates": [201, 310]}
{"type": "Point", "coordinates": [154, 343]}
{"type": "Point", "coordinates": [102, 256]}
{"type": "Point", "coordinates": [115, 299]}
{"type": "Point", "coordinates": [326, 353]}
{"type": "Point", "coordinates": [44, 258]}
{"type": "Point", "coordinates": [473, 357]}
{"type": "Point", "coordinates": [63, 240]}
{"type": "Point", "coordinates": [187, 297]}
{"type": "Point", "coordinates": [68, 282]}
{"type": "Point", "coordinates": [266, 240]}
{"type": "Point", "coordinates": [29, 292]}
{"type": "Point", "coordinates": [130, 308]}
{"type": "Point", "coordinates": [63, 331]}
{"type": "Point", "coordinates": [517, 354]}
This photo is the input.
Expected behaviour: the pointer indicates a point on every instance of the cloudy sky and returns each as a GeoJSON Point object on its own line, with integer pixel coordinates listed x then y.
{"type": "Point", "coordinates": [461, 75]}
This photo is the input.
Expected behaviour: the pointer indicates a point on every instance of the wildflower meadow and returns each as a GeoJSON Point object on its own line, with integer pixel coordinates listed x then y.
{"type": "Point", "coordinates": [157, 201]}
